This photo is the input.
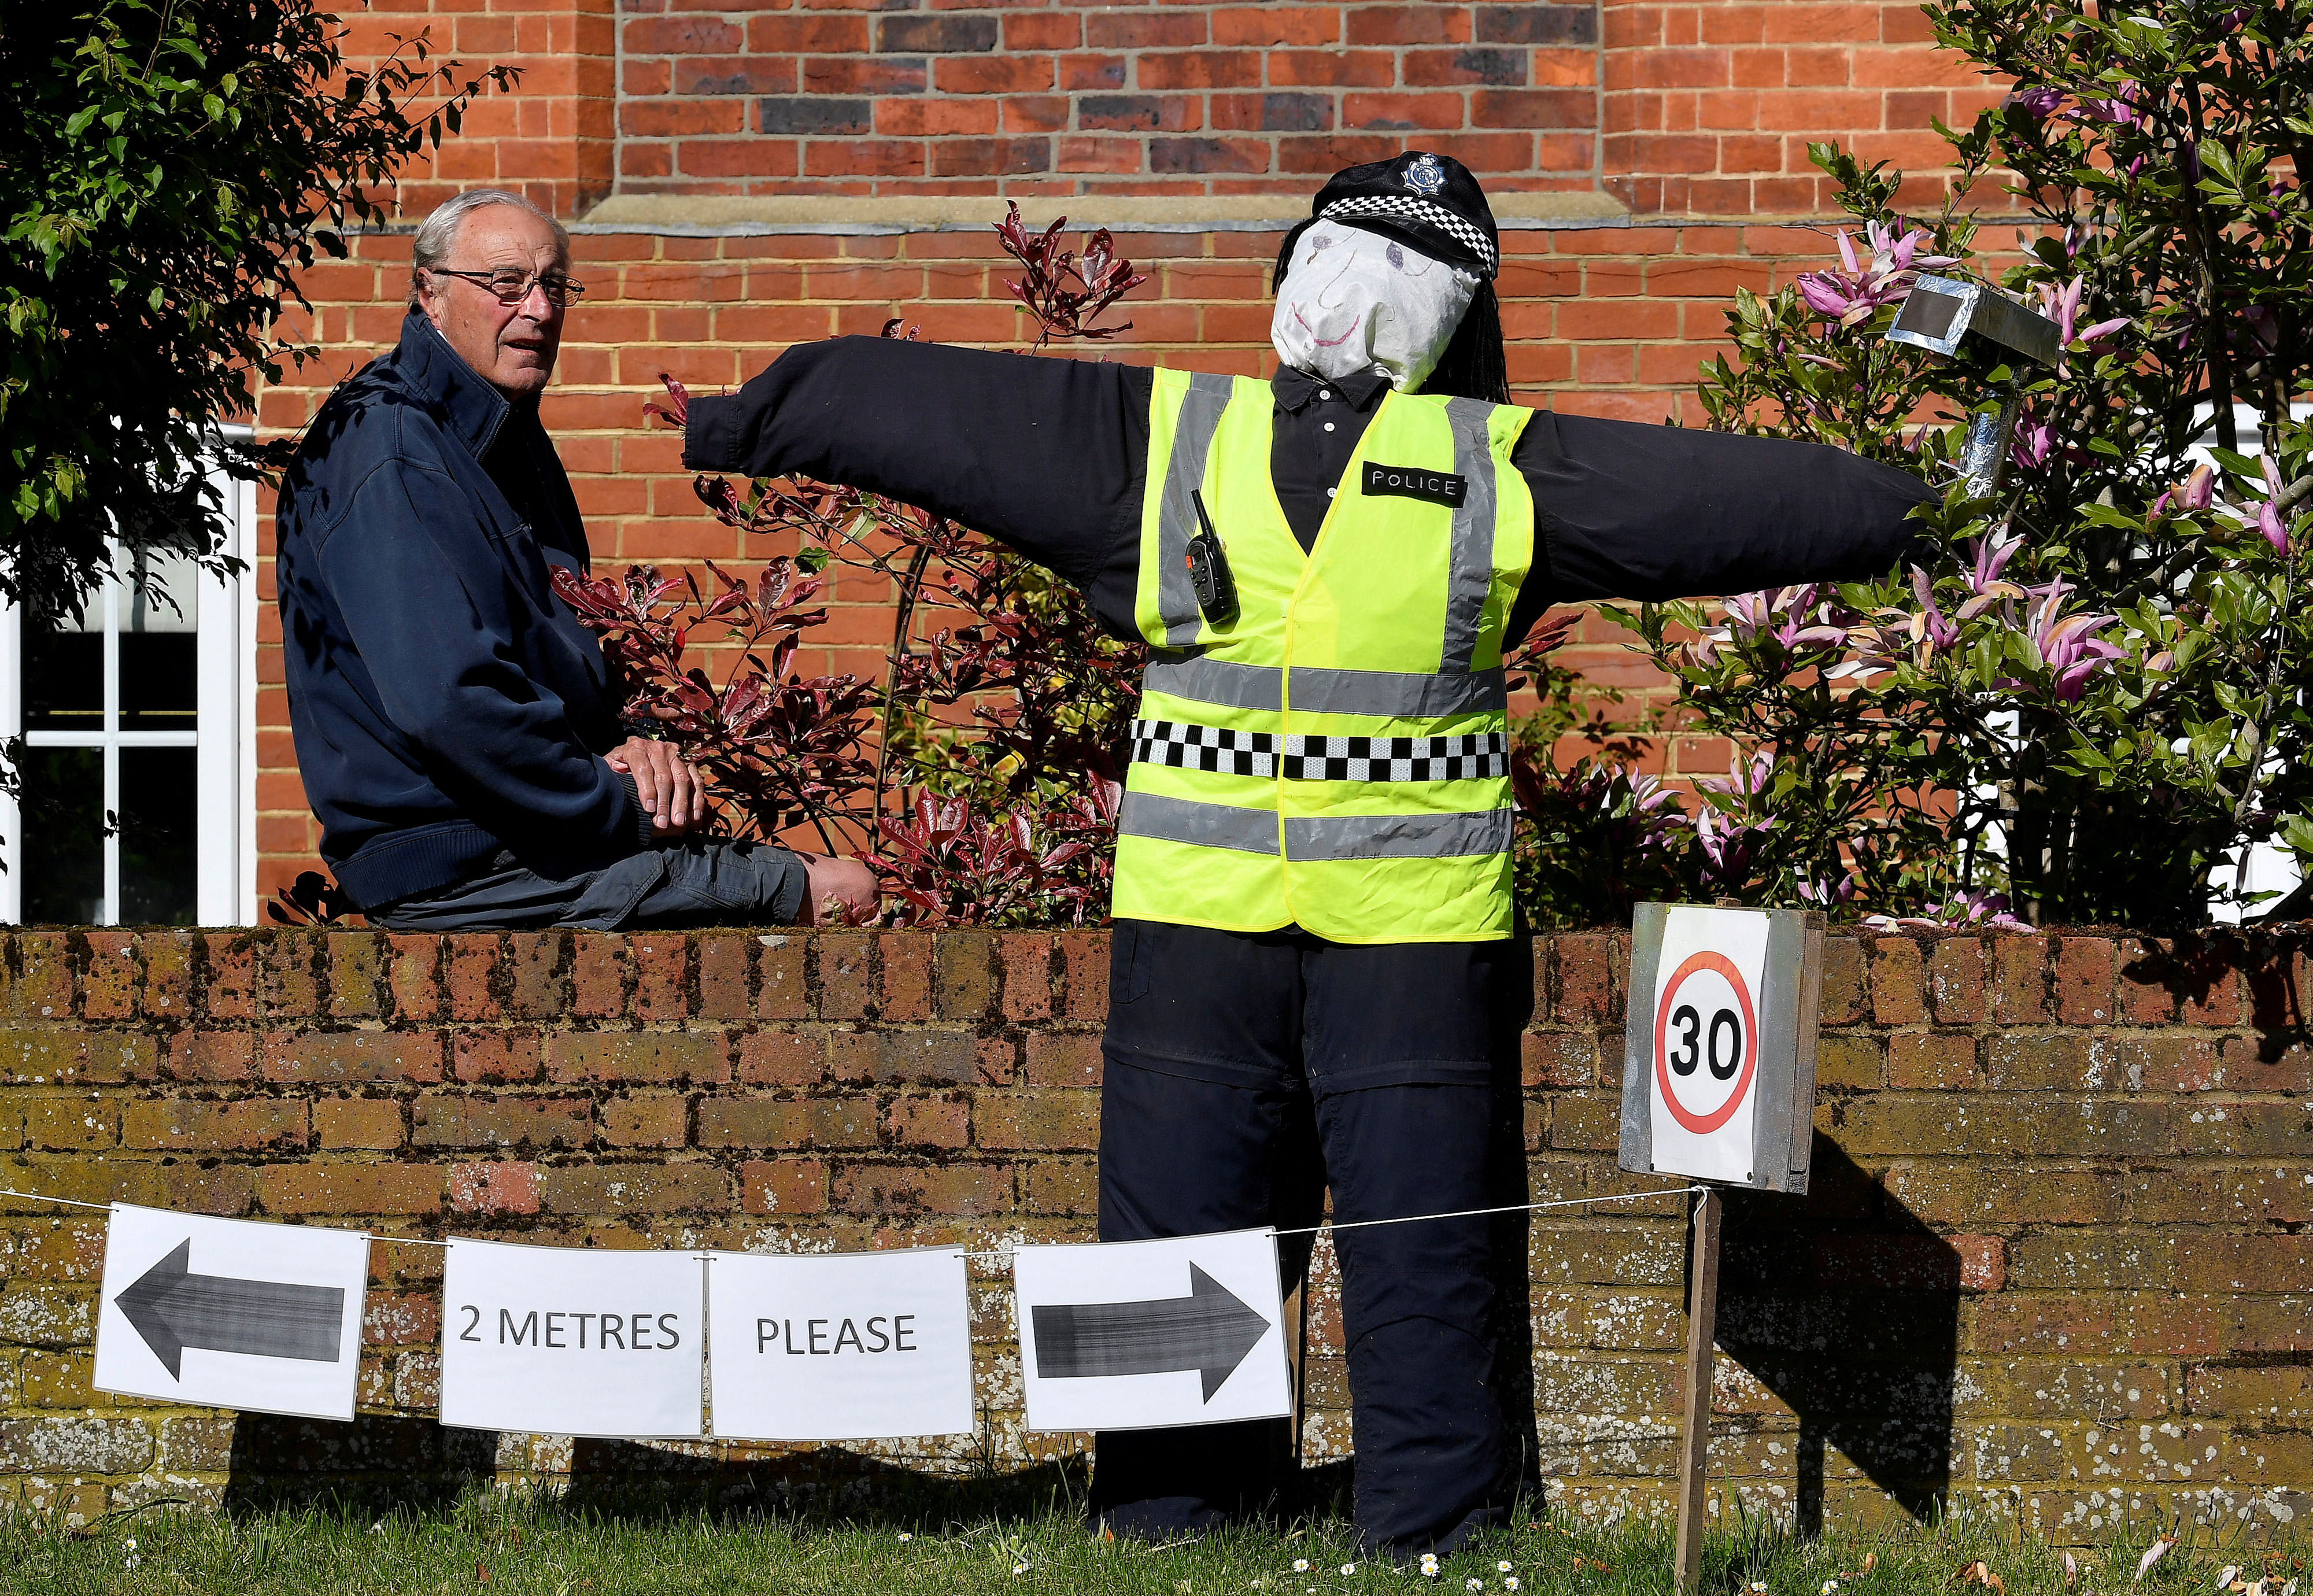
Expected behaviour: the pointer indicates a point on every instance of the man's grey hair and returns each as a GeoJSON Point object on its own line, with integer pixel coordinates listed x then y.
{"type": "Point", "coordinates": [438, 234]}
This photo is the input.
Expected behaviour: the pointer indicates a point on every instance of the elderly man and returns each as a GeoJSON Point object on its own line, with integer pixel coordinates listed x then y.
{"type": "Point", "coordinates": [457, 729]}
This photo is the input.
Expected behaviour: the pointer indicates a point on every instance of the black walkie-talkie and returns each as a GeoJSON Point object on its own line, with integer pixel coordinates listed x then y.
{"type": "Point", "coordinates": [1209, 571]}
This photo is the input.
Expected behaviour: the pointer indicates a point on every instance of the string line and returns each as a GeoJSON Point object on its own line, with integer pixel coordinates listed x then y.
{"type": "Point", "coordinates": [107, 1208]}
{"type": "Point", "coordinates": [999, 1254]}
{"type": "Point", "coordinates": [68, 1201]}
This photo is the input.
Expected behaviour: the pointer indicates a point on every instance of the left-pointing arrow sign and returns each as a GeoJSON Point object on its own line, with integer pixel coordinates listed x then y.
{"type": "Point", "coordinates": [1210, 1330]}
{"type": "Point", "coordinates": [174, 1309]}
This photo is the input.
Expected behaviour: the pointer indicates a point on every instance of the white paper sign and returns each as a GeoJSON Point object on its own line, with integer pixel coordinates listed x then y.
{"type": "Point", "coordinates": [1708, 983]}
{"type": "Point", "coordinates": [1135, 1334]}
{"type": "Point", "coordinates": [231, 1313]}
{"type": "Point", "coordinates": [847, 1346]}
{"type": "Point", "coordinates": [571, 1341]}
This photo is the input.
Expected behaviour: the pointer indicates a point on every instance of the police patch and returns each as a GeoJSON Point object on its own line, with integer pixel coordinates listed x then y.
{"type": "Point", "coordinates": [1405, 481]}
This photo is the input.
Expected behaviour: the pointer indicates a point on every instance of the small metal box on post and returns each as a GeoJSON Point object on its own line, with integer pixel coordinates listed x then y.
{"type": "Point", "coordinates": [1718, 1086]}
{"type": "Point", "coordinates": [1939, 312]}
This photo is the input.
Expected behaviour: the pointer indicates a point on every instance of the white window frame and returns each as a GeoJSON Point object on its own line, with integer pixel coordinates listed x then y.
{"type": "Point", "coordinates": [225, 736]}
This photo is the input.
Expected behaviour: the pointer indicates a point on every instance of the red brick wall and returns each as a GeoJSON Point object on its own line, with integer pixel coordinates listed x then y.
{"type": "Point", "coordinates": [2051, 1264]}
{"type": "Point", "coordinates": [1056, 99]}
{"type": "Point", "coordinates": [1708, 107]}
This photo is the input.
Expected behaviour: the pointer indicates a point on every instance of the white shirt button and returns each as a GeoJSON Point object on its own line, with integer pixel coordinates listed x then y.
{"type": "Point", "coordinates": [1329, 426]}
{"type": "Point", "coordinates": [1329, 493]}
{"type": "Point", "coordinates": [1325, 394]}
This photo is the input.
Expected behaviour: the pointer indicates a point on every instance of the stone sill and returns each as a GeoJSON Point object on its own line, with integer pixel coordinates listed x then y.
{"type": "Point", "coordinates": [685, 216]}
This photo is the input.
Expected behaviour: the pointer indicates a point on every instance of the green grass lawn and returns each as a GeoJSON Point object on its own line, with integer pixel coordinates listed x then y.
{"type": "Point", "coordinates": [523, 1545]}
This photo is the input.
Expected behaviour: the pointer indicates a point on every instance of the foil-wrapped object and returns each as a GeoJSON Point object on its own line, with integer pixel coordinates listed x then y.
{"type": "Point", "coordinates": [1983, 452]}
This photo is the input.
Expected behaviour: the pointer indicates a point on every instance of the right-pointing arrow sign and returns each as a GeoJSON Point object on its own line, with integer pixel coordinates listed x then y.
{"type": "Point", "coordinates": [174, 1309]}
{"type": "Point", "coordinates": [1210, 1330]}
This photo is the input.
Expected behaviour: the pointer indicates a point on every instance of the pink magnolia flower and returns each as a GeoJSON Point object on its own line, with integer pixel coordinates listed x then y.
{"type": "Point", "coordinates": [2190, 496]}
{"type": "Point", "coordinates": [2037, 101]}
{"type": "Point", "coordinates": [2269, 522]}
{"type": "Point", "coordinates": [1970, 908]}
{"type": "Point", "coordinates": [2060, 305]}
{"type": "Point", "coordinates": [2032, 444]}
{"type": "Point", "coordinates": [1851, 295]}
{"type": "Point", "coordinates": [2119, 109]}
{"type": "Point", "coordinates": [1992, 554]}
{"type": "Point", "coordinates": [1930, 626]}
{"type": "Point", "coordinates": [1730, 839]}
{"type": "Point", "coordinates": [1826, 894]}
{"type": "Point", "coordinates": [2068, 644]}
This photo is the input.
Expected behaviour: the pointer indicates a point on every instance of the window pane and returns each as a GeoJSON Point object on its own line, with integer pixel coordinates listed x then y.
{"type": "Point", "coordinates": [63, 673]}
{"type": "Point", "coordinates": [160, 608]}
{"type": "Point", "coordinates": [159, 672]}
{"type": "Point", "coordinates": [161, 593]}
{"type": "Point", "coordinates": [64, 836]}
{"type": "Point", "coordinates": [159, 832]}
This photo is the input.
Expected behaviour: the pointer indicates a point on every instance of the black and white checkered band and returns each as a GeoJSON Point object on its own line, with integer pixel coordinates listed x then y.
{"type": "Point", "coordinates": [1184, 745]}
{"type": "Point", "coordinates": [1412, 207]}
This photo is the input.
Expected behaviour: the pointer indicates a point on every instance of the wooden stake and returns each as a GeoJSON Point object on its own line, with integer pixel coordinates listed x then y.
{"type": "Point", "coordinates": [1694, 1443]}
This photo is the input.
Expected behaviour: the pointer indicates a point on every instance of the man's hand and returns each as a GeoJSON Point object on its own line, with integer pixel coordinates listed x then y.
{"type": "Point", "coordinates": [669, 786]}
{"type": "Point", "coordinates": [836, 891]}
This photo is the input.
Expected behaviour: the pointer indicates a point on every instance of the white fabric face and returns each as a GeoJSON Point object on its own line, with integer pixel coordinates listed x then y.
{"type": "Point", "coordinates": [1355, 301]}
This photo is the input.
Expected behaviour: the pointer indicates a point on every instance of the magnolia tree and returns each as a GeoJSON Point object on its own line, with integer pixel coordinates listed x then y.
{"type": "Point", "coordinates": [2089, 691]}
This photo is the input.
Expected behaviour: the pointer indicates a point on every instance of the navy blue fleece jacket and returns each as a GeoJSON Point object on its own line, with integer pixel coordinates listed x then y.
{"type": "Point", "coordinates": [445, 704]}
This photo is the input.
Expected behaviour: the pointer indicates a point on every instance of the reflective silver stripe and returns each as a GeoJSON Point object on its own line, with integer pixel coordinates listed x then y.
{"type": "Point", "coordinates": [1176, 517]}
{"type": "Point", "coordinates": [1209, 825]}
{"type": "Point", "coordinates": [1474, 534]}
{"type": "Point", "coordinates": [1215, 680]}
{"type": "Point", "coordinates": [1310, 838]}
{"type": "Point", "coordinates": [1402, 695]}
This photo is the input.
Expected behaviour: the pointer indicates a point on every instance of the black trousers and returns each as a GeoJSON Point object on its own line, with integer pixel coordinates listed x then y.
{"type": "Point", "coordinates": [1244, 1075]}
{"type": "Point", "coordinates": [691, 881]}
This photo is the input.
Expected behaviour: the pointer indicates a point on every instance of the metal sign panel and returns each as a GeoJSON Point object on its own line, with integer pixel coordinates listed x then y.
{"type": "Point", "coordinates": [1718, 1046]}
{"type": "Point", "coordinates": [1939, 312]}
{"type": "Point", "coordinates": [231, 1313]}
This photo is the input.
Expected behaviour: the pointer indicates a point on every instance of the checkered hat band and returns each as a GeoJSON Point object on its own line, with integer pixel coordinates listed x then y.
{"type": "Point", "coordinates": [1409, 208]}
{"type": "Point", "coordinates": [1185, 745]}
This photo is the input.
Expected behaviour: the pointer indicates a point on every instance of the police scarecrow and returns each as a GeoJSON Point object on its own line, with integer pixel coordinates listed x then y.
{"type": "Point", "coordinates": [1316, 979]}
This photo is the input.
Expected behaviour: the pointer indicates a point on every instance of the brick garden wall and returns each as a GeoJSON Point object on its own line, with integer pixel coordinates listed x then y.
{"type": "Point", "coordinates": [2053, 1261]}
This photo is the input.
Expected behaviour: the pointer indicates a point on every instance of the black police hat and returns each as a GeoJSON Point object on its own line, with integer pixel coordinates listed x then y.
{"type": "Point", "coordinates": [1427, 202]}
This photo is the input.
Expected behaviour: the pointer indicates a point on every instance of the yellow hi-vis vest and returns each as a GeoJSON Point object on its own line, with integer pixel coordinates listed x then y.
{"type": "Point", "coordinates": [1336, 756]}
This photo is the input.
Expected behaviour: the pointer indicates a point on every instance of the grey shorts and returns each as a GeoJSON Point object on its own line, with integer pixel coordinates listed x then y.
{"type": "Point", "coordinates": [686, 883]}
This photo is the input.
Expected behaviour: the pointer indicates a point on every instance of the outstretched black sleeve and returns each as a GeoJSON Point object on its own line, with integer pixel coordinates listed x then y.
{"type": "Point", "coordinates": [1626, 510]}
{"type": "Point", "coordinates": [1047, 456]}
{"type": "Point", "coordinates": [1050, 456]}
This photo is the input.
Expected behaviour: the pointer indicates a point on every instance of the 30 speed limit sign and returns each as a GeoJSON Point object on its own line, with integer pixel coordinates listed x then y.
{"type": "Point", "coordinates": [1719, 1077]}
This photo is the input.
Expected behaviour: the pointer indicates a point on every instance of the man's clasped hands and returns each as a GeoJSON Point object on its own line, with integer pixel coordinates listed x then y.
{"type": "Point", "coordinates": [673, 794]}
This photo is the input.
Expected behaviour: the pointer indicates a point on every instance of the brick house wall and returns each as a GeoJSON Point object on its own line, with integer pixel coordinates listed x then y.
{"type": "Point", "coordinates": [2053, 1262]}
{"type": "Point", "coordinates": [744, 179]}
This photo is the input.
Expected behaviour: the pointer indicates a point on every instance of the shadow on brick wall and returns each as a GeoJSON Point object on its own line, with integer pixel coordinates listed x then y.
{"type": "Point", "coordinates": [379, 1463]}
{"type": "Point", "coordinates": [1844, 1306]}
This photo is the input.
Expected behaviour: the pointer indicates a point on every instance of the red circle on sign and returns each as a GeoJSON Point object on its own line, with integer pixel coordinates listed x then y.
{"type": "Point", "coordinates": [1702, 1124]}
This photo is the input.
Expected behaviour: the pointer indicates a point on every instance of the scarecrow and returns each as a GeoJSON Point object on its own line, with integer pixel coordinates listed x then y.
{"type": "Point", "coordinates": [1317, 977]}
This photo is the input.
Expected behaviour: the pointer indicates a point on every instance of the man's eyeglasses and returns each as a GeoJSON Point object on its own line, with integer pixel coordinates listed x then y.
{"type": "Point", "coordinates": [512, 288]}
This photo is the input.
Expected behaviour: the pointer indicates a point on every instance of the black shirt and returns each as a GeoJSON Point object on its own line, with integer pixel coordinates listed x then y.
{"type": "Point", "coordinates": [1050, 456]}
